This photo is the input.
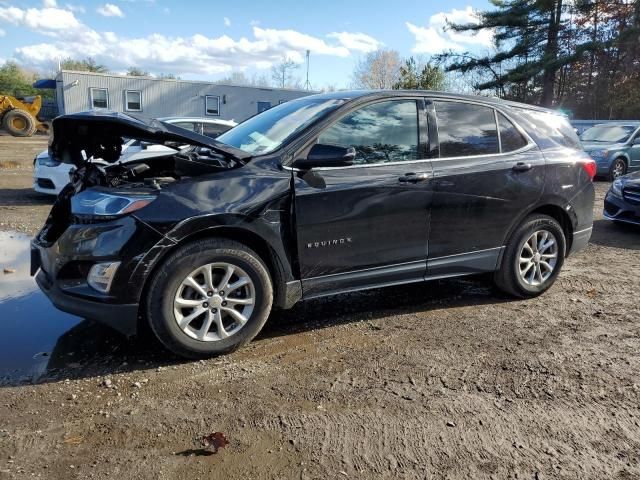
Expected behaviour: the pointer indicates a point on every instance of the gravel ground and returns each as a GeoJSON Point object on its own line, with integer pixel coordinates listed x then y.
{"type": "Point", "coordinates": [447, 379]}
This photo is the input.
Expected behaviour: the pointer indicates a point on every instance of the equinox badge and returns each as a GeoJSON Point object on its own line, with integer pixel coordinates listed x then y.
{"type": "Point", "coordinates": [329, 243]}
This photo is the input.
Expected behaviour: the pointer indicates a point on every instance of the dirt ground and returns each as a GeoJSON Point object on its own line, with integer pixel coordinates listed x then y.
{"type": "Point", "coordinates": [441, 380]}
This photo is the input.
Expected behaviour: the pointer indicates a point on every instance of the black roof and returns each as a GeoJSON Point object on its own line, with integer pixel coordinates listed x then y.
{"type": "Point", "coordinates": [348, 95]}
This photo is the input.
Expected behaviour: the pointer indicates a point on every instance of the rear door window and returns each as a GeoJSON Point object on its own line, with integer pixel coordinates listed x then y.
{"type": "Point", "coordinates": [465, 129]}
{"type": "Point", "coordinates": [510, 138]}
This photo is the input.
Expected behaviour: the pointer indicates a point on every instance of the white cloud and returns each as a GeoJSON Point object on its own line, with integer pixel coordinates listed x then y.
{"type": "Point", "coordinates": [227, 22]}
{"type": "Point", "coordinates": [45, 20]}
{"type": "Point", "coordinates": [49, 3]}
{"type": "Point", "coordinates": [75, 8]}
{"type": "Point", "coordinates": [110, 10]}
{"type": "Point", "coordinates": [182, 55]}
{"type": "Point", "coordinates": [254, 23]}
{"type": "Point", "coordinates": [437, 36]}
{"type": "Point", "coordinates": [356, 41]}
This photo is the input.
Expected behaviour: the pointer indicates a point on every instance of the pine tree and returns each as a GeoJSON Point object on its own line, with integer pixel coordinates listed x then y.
{"type": "Point", "coordinates": [528, 57]}
{"type": "Point", "coordinates": [413, 76]}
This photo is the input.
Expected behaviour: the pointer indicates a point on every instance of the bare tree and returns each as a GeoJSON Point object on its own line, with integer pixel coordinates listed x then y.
{"type": "Point", "coordinates": [137, 72]}
{"type": "Point", "coordinates": [282, 73]}
{"type": "Point", "coordinates": [378, 70]}
{"type": "Point", "coordinates": [236, 78]}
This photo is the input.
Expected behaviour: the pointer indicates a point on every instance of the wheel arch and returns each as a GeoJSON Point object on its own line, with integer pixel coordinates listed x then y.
{"type": "Point", "coordinates": [249, 238]}
{"type": "Point", "coordinates": [552, 210]}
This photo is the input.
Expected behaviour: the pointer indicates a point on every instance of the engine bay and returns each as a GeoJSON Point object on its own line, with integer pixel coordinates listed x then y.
{"type": "Point", "coordinates": [152, 173]}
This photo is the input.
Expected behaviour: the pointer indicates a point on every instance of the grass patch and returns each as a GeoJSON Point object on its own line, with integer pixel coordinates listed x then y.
{"type": "Point", "coordinates": [9, 164]}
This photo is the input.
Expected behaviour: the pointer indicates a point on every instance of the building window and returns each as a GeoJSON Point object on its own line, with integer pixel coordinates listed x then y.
{"type": "Point", "coordinates": [211, 105]}
{"type": "Point", "coordinates": [133, 100]}
{"type": "Point", "coordinates": [262, 106]}
{"type": "Point", "coordinates": [99, 98]}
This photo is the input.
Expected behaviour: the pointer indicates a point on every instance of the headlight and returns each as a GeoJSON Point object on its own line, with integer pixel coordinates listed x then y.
{"type": "Point", "coordinates": [616, 188]}
{"type": "Point", "coordinates": [599, 154]}
{"type": "Point", "coordinates": [96, 203]}
{"type": "Point", "coordinates": [47, 161]}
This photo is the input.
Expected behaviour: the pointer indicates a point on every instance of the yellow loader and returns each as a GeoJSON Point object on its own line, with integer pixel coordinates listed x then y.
{"type": "Point", "coordinates": [20, 118]}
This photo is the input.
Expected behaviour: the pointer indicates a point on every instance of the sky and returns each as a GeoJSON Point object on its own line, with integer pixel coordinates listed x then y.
{"type": "Point", "coordinates": [208, 40]}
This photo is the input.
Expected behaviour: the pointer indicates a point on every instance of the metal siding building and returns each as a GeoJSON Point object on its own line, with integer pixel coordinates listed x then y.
{"type": "Point", "coordinates": [81, 91]}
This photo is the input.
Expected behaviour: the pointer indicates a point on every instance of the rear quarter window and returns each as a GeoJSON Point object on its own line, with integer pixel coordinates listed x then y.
{"type": "Point", "coordinates": [549, 130]}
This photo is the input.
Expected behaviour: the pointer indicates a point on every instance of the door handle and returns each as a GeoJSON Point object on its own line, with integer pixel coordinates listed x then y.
{"type": "Point", "coordinates": [414, 177]}
{"type": "Point", "coordinates": [521, 167]}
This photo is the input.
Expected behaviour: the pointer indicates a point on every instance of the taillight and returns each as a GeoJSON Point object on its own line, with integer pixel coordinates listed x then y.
{"type": "Point", "coordinates": [590, 167]}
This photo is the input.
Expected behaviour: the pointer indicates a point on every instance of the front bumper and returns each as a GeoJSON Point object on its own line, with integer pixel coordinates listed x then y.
{"type": "Point", "coordinates": [619, 210]}
{"type": "Point", "coordinates": [120, 317]}
{"type": "Point", "coordinates": [62, 265]}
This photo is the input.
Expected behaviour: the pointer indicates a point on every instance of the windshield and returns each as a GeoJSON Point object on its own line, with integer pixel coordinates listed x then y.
{"type": "Point", "coordinates": [609, 134]}
{"type": "Point", "coordinates": [270, 129]}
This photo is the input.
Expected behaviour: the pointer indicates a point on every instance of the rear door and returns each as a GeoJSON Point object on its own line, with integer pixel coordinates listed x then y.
{"type": "Point", "coordinates": [483, 181]}
{"type": "Point", "coordinates": [634, 151]}
{"type": "Point", "coordinates": [367, 224]}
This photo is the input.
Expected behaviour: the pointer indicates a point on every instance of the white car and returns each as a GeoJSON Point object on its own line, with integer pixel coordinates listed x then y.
{"type": "Point", "coordinates": [50, 176]}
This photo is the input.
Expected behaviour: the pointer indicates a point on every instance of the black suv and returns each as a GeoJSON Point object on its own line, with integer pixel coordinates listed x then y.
{"type": "Point", "coordinates": [322, 195]}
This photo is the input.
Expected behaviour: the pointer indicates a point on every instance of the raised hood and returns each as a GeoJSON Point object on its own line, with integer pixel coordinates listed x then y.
{"type": "Point", "coordinates": [101, 133]}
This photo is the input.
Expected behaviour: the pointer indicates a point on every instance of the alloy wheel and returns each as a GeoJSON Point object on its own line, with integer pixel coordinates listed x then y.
{"type": "Point", "coordinates": [538, 257]}
{"type": "Point", "coordinates": [214, 302]}
{"type": "Point", "coordinates": [618, 169]}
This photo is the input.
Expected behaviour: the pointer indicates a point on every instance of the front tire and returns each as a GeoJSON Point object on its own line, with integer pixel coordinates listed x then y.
{"type": "Point", "coordinates": [208, 298]}
{"type": "Point", "coordinates": [533, 257]}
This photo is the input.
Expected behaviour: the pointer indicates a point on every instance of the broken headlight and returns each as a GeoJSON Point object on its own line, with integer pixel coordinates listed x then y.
{"type": "Point", "coordinates": [103, 204]}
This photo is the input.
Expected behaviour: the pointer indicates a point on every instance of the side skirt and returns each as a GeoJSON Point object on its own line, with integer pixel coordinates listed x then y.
{"type": "Point", "coordinates": [443, 267]}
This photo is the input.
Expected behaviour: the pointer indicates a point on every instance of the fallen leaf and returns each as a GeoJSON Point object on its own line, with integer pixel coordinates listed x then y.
{"type": "Point", "coordinates": [215, 441]}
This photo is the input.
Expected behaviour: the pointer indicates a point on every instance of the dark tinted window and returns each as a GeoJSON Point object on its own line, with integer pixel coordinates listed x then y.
{"type": "Point", "coordinates": [194, 127]}
{"type": "Point", "coordinates": [381, 133]}
{"type": "Point", "coordinates": [211, 130]}
{"type": "Point", "coordinates": [510, 137]}
{"type": "Point", "coordinates": [465, 129]}
{"type": "Point", "coordinates": [549, 129]}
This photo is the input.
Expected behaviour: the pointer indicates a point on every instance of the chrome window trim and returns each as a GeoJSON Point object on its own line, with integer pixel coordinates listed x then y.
{"type": "Point", "coordinates": [524, 149]}
{"type": "Point", "coordinates": [531, 144]}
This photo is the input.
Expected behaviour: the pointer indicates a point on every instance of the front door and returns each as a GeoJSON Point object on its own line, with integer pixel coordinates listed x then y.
{"type": "Point", "coordinates": [367, 224]}
{"type": "Point", "coordinates": [483, 181]}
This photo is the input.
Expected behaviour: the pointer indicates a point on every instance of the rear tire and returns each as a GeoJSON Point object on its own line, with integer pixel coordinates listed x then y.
{"type": "Point", "coordinates": [618, 169]}
{"type": "Point", "coordinates": [195, 320]}
{"type": "Point", "coordinates": [533, 257]}
{"type": "Point", "coordinates": [19, 123]}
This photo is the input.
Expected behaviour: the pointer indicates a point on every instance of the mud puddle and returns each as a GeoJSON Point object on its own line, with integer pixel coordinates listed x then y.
{"type": "Point", "coordinates": [37, 341]}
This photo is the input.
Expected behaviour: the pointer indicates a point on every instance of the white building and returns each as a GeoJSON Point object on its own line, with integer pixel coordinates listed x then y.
{"type": "Point", "coordinates": [160, 97]}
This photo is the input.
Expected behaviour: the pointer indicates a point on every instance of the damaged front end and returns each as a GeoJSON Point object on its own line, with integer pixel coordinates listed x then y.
{"type": "Point", "coordinates": [99, 193]}
{"type": "Point", "coordinates": [93, 240]}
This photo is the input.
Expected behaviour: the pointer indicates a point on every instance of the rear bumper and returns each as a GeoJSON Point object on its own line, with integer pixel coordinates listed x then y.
{"type": "Point", "coordinates": [580, 240]}
{"type": "Point", "coordinates": [121, 317]}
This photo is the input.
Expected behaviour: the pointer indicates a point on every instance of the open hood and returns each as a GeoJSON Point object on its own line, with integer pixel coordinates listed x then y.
{"type": "Point", "coordinates": [101, 133]}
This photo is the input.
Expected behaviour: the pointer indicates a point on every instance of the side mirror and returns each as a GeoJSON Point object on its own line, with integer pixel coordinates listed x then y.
{"type": "Point", "coordinates": [636, 141]}
{"type": "Point", "coordinates": [327, 156]}
{"type": "Point", "coordinates": [144, 145]}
